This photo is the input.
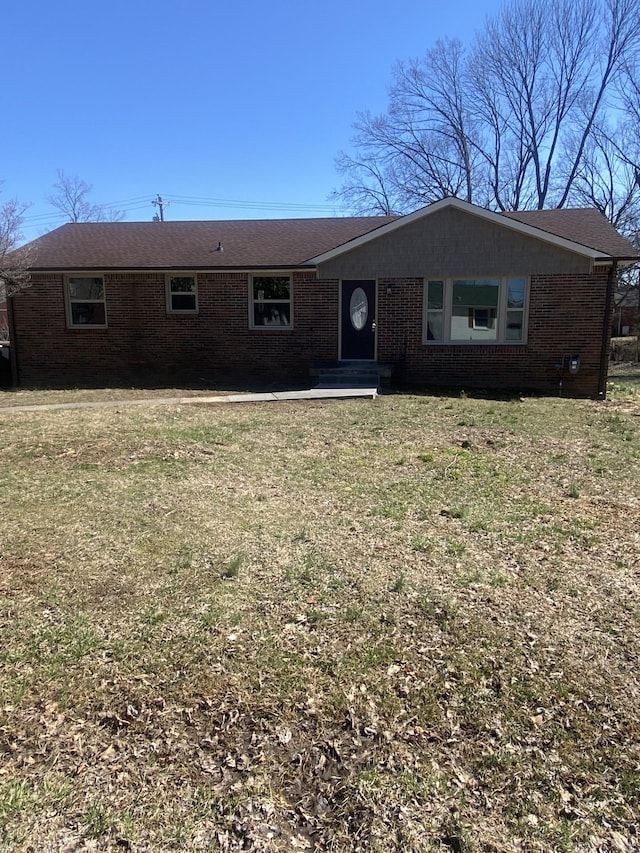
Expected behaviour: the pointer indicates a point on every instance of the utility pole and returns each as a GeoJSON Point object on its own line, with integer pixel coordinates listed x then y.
{"type": "Point", "coordinates": [160, 203]}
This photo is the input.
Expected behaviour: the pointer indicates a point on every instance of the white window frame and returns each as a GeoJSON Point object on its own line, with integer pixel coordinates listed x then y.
{"type": "Point", "coordinates": [252, 301]}
{"type": "Point", "coordinates": [504, 309]}
{"type": "Point", "coordinates": [71, 301]}
{"type": "Point", "coordinates": [169, 293]}
{"type": "Point", "coordinates": [501, 319]}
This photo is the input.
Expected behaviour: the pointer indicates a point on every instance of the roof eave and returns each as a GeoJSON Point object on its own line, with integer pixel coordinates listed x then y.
{"type": "Point", "coordinates": [624, 260]}
{"type": "Point", "coordinates": [169, 267]}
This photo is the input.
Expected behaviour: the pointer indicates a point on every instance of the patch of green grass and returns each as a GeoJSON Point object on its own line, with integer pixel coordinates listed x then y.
{"type": "Point", "coordinates": [377, 653]}
{"type": "Point", "coordinates": [436, 609]}
{"type": "Point", "coordinates": [184, 559]}
{"type": "Point", "coordinates": [399, 583]}
{"type": "Point", "coordinates": [96, 820]}
{"type": "Point", "coordinates": [353, 613]}
{"type": "Point", "coordinates": [455, 548]}
{"type": "Point", "coordinates": [15, 798]}
{"type": "Point", "coordinates": [458, 512]}
{"type": "Point", "coordinates": [302, 535]}
{"type": "Point", "coordinates": [422, 545]}
{"type": "Point", "coordinates": [573, 489]}
{"type": "Point", "coordinates": [154, 617]}
{"type": "Point", "coordinates": [622, 389]}
{"type": "Point", "coordinates": [471, 577]}
{"type": "Point", "coordinates": [233, 566]}
{"type": "Point", "coordinates": [618, 425]}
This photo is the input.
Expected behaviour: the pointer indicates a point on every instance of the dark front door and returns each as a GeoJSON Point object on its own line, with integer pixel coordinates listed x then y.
{"type": "Point", "coordinates": [358, 313]}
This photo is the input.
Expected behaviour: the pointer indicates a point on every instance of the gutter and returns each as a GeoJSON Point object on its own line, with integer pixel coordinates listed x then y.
{"type": "Point", "coordinates": [626, 259]}
{"type": "Point", "coordinates": [13, 343]}
{"type": "Point", "coordinates": [302, 266]}
{"type": "Point", "coordinates": [606, 329]}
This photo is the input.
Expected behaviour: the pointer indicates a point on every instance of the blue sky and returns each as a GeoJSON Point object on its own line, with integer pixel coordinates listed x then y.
{"type": "Point", "coordinates": [221, 101]}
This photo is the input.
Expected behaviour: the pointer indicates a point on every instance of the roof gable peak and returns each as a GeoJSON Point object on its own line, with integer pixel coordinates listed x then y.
{"type": "Point", "coordinates": [515, 221]}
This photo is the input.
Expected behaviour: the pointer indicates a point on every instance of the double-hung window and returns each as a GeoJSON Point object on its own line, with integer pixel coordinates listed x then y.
{"type": "Point", "coordinates": [475, 310]}
{"type": "Point", "coordinates": [86, 303]}
{"type": "Point", "coordinates": [182, 294]}
{"type": "Point", "coordinates": [516, 304]}
{"type": "Point", "coordinates": [270, 301]}
{"type": "Point", "coordinates": [434, 311]}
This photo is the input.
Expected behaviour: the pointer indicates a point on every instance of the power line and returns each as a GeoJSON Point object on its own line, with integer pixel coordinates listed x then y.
{"type": "Point", "coordinates": [135, 198]}
{"type": "Point", "coordinates": [255, 205]}
{"type": "Point", "coordinates": [49, 217]}
{"type": "Point", "coordinates": [136, 203]}
{"type": "Point", "coordinates": [160, 203]}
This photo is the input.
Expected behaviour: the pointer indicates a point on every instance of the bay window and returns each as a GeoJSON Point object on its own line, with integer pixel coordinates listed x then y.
{"type": "Point", "coordinates": [475, 310]}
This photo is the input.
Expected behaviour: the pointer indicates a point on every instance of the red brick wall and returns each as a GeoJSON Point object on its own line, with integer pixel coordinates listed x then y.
{"type": "Point", "coordinates": [565, 318]}
{"type": "Point", "coordinates": [143, 338]}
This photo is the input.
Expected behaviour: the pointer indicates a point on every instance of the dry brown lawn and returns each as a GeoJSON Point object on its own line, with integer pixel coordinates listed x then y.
{"type": "Point", "coordinates": [403, 625]}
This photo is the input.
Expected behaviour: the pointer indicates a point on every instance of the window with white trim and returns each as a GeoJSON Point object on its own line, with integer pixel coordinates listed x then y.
{"type": "Point", "coordinates": [86, 303]}
{"type": "Point", "coordinates": [516, 306]}
{"type": "Point", "coordinates": [434, 310]}
{"type": "Point", "coordinates": [182, 294]}
{"type": "Point", "coordinates": [270, 301]}
{"type": "Point", "coordinates": [475, 310]}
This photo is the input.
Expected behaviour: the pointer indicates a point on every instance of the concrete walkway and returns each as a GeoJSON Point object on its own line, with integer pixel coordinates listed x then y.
{"type": "Point", "coordinates": [271, 396]}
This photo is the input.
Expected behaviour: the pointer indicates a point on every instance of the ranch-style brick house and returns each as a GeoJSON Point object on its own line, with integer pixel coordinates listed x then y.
{"type": "Point", "coordinates": [451, 295]}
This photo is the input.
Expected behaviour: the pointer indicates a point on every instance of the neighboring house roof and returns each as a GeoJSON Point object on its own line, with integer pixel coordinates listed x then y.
{"type": "Point", "coordinates": [184, 245]}
{"type": "Point", "coordinates": [274, 243]}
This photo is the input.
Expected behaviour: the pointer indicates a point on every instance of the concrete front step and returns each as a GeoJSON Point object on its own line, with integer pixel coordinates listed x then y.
{"type": "Point", "coordinates": [348, 371]}
{"type": "Point", "coordinates": [351, 375]}
{"type": "Point", "coordinates": [355, 382]}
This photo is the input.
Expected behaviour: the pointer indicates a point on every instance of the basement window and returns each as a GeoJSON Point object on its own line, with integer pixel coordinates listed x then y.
{"type": "Point", "coordinates": [182, 294]}
{"type": "Point", "coordinates": [86, 304]}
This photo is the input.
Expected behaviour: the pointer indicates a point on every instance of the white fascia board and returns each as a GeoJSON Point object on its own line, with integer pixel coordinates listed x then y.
{"type": "Point", "coordinates": [466, 207]}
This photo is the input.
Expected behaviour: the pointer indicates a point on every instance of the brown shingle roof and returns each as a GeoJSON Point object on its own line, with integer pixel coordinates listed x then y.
{"type": "Point", "coordinates": [183, 245]}
{"type": "Point", "coordinates": [268, 243]}
{"type": "Point", "coordinates": [586, 226]}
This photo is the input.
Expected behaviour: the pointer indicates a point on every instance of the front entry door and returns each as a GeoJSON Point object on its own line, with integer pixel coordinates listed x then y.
{"type": "Point", "coordinates": [358, 315]}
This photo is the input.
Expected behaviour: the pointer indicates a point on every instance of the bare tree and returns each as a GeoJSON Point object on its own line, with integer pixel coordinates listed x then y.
{"type": "Point", "coordinates": [550, 69]}
{"type": "Point", "coordinates": [14, 261]}
{"type": "Point", "coordinates": [624, 138]}
{"type": "Point", "coordinates": [369, 191]}
{"type": "Point", "coordinates": [72, 199]}
{"type": "Point", "coordinates": [431, 108]}
{"type": "Point", "coordinates": [607, 180]}
{"type": "Point", "coordinates": [422, 148]}
{"type": "Point", "coordinates": [509, 122]}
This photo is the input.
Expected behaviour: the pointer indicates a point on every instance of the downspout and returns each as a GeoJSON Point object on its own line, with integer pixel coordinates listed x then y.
{"type": "Point", "coordinates": [13, 343]}
{"type": "Point", "coordinates": [606, 332]}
